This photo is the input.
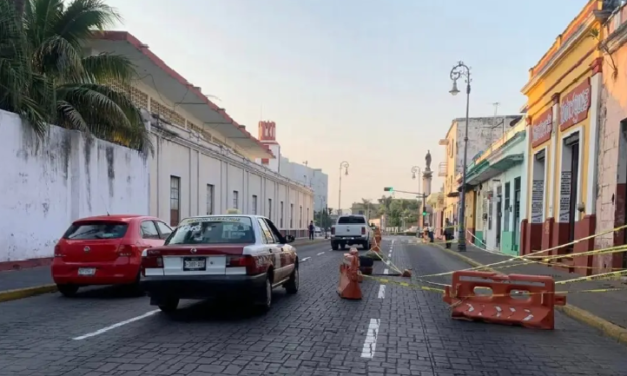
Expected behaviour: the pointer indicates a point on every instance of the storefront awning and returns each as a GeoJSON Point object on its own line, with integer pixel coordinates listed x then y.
{"type": "Point", "coordinates": [488, 170]}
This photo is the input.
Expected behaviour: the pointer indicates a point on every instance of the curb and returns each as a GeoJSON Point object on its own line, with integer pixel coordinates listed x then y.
{"type": "Point", "coordinates": [6, 296]}
{"type": "Point", "coordinates": [609, 329]}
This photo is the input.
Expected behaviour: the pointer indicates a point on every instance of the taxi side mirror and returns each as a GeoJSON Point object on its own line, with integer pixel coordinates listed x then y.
{"type": "Point", "coordinates": [289, 238]}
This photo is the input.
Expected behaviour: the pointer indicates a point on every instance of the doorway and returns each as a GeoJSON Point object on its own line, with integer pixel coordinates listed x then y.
{"type": "Point", "coordinates": [499, 215]}
{"type": "Point", "coordinates": [516, 229]}
{"type": "Point", "coordinates": [569, 189]}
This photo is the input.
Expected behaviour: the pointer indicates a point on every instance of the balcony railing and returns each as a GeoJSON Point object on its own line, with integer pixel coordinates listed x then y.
{"type": "Point", "coordinates": [443, 142]}
{"type": "Point", "coordinates": [442, 169]}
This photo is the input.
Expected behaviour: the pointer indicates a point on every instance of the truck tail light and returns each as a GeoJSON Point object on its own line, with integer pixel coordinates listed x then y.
{"type": "Point", "coordinates": [151, 262]}
{"type": "Point", "coordinates": [363, 231]}
{"type": "Point", "coordinates": [332, 230]}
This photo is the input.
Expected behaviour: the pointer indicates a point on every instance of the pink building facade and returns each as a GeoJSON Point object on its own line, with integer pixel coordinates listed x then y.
{"type": "Point", "coordinates": [611, 192]}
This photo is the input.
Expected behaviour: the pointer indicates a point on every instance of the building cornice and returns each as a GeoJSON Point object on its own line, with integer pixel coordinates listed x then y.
{"type": "Point", "coordinates": [163, 132]}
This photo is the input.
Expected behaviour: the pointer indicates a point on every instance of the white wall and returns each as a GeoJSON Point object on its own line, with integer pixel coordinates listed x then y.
{"type": "Point", "coordinates": [47, 185]}
{"type": "Point", "coordinates": [310, 177]}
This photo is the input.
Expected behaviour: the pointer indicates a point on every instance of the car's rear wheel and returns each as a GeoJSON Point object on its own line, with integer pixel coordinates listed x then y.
{"type": "Point", "coordinates": [68, 290]}
{"type": "Point", "coordinates": [292, 285]}
{"type": "Point", "coordinates": [169, 305]}
{"type": "Point", "coordinates": [334, 246]}
{"type": "Point", "coordinates": [135, 287]}
{"type": "Point", "coordinates": [264, 301]}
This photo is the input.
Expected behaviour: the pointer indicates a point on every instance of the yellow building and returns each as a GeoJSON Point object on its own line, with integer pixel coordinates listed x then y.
{"type": "Point", "coordinates": [563, 95]}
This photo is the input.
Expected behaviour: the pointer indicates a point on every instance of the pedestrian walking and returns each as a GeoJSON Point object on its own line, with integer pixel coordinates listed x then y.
{"type": "Point", "coordinates": [448, 232]}
{"type": "Point", "coordinates": [312, 230]}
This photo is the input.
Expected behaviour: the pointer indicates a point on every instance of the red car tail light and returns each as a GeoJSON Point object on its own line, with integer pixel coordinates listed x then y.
{"type": "Point", "coordinates": [127, 250]}
{"type": "Point", "coordinates": [57, 251]}
{"type": "Point", "coordinates": [332, 230]}
{"type": "Point", "coordinates": [151, 262]}
{"type": "Point", "coordinates": [243, 261]}
{"type": "Point", "coordinates": [363, 231]}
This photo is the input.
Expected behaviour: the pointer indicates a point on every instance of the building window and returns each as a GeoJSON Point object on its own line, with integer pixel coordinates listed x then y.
{"type": "Point", "coordinates": [507, 208]}
{"type": "Point", "coordinates": [175, 200]}
{"type": "Point", "coordinates": [300, 217]}
{"type": "Point", "coordinates": [281, 212]}
{"type": "Point", "coordinates": [254, 204]}
{"type": "Point", "coordinates": [270, 209]}
{"type": "Point", "coordinates": [235, 200]}
{"type": "Point", "coordinates": [209, 199]}
{"type": "Point", "coordinates": [291, 216]}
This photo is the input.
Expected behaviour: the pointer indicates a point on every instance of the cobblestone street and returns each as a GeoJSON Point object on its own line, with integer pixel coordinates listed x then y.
{"type": "Point", "coordinates": [394, 330]}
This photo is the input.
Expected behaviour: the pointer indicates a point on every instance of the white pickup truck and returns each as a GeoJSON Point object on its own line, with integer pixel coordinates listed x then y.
{"type": "Point", "coordinates": [351, 230]}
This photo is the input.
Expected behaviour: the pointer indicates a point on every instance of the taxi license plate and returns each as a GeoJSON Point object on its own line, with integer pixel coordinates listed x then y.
{"type": "Point", "coordinates": [86, 271]}
{"type": "Point", "coordinates": [194, 263]}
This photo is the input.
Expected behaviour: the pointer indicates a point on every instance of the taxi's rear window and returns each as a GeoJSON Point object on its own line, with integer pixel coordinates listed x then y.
{"type": "Point", "coordinates": [213, 230]}
{"type": "Point", "coordinates": [96, 230]}
{"type": "Point", "coordinates": [351, 220]}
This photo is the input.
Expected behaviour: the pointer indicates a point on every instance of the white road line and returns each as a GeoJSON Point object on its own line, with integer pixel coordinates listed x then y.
{"type": "Point", "coordinates": [370, 343]}
{"type": "Point", "coordinates": [381, 294]}
{"type": "Point", "coordinates": [104, 330]}
{"type": "Point", "coordinates": [386, 271]}
{"type": "Point", "coordinates": [321, 253]}
{"type": "Point", "coordinates": [305, 259]}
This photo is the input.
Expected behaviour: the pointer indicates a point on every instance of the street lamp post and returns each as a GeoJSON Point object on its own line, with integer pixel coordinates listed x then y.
{"type": "Point", "coordinates": [344, 165]}
{"type": "Point", "coordinates": [414, 170]}
{"type": "Point", "coordinates": [462, 70]}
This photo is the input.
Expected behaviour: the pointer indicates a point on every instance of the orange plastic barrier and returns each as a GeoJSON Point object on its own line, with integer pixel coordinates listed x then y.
{"type": "Point", "coordinates": [350, 277]}
{"type": "Point", "coordinates": [515, 299]}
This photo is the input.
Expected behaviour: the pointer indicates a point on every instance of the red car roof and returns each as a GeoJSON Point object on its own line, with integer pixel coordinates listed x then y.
{"type": "Point", "coordinates": [114, 217]}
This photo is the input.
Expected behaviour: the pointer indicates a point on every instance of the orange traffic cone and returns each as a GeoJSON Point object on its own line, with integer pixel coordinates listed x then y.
{"type": "Point", "coordinates": [348, 287]}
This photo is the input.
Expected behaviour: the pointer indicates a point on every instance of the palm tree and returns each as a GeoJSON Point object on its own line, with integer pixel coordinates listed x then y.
{"type": "Point", "coordinates": [22, 90]}
{"type": "Point", "coordinates": [55, 33]}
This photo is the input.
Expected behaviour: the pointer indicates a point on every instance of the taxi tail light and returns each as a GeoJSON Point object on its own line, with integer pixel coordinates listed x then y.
{"type": "Point", "coordinates": [57, 251]}
{"type": "Point", "coordinates": [243, 261]}
{"type": "Point", "coordinates": [363, 231]}
{"type": "Point", "coordinates": [332, 230]}
{"type": "Point", "coordinates": [127, 250]}
{"type": "Point", "coordinates": [151, 262]}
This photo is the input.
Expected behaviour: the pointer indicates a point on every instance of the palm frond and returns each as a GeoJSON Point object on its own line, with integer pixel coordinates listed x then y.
{"type": "Point", "coordinates": [106, 66]}
{"type": "Point", "coordinates": [21, 91]}
{"type": "Point", "coordinates": [107, 113]}
{"type": "Point", "coordinates": [56, 57]}
{"type": "Point", "coordinates": [81, 17]}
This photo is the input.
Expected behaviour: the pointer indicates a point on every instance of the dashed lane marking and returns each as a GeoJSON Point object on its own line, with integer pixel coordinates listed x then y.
{"type": "Point", "coordinates": [321, 253]}
{"type": "Point", "coordinates": [381, 294]}
{"type": "Point", "coordinates": [114, 326]}
{"type": "Point", "coordinates": [370, 343]}
{"type": "Point", "coordinates": [305, 259]}
{"type": "Point", "coordinates": [386, 271]}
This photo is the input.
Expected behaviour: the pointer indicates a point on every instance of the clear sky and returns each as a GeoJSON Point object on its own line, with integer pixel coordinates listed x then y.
{"type": "Point", "coordinates": [364, 81]}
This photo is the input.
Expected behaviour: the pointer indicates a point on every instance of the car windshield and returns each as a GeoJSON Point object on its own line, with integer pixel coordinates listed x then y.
{"type": "Point", "coordinates": [351, 220]}
{"type": "Point", "coordinates": [96, 230]}
{"type": "Point", "coordinates": [213, 230]}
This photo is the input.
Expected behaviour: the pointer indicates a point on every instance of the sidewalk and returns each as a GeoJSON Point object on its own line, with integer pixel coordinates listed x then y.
{"type": "Point", "coordinates": [607, 308]}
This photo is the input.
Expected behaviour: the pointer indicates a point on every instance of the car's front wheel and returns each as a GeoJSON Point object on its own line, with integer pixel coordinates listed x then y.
{"type": "Point", "coordinates": [291, 286]}
{"type": "Point", "coordinates": [67, 290]}
{"type": "Point", "coordinates": [169, 305]}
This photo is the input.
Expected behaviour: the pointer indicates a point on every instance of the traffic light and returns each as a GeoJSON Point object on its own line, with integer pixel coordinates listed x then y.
{"type": "Point", "coordinates": [424, 213]}
{"type": "Point", "coordinates": [388, 189]}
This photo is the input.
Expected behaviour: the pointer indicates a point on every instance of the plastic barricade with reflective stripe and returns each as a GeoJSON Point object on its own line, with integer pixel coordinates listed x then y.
{"type": "Point", "coordinates": [515, 299]}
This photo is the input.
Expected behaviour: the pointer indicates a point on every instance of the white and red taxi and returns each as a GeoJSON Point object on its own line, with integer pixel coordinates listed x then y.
{"type": "Point", "coordinates": [220, 255]}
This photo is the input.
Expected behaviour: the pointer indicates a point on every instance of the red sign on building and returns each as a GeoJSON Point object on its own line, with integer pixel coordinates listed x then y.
{"type": "Point", "coordinates": [541, 127]}
{"type": "Point", "coordinates": [575, 105]}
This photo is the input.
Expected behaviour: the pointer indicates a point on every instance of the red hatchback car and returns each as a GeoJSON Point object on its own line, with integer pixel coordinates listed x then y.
{"type": "Point", "coordinates": [105, 250]}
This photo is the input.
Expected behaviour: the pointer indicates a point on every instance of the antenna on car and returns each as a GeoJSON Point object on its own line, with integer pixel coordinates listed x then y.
{"type": "Point", "coordinates": [105, 205]}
